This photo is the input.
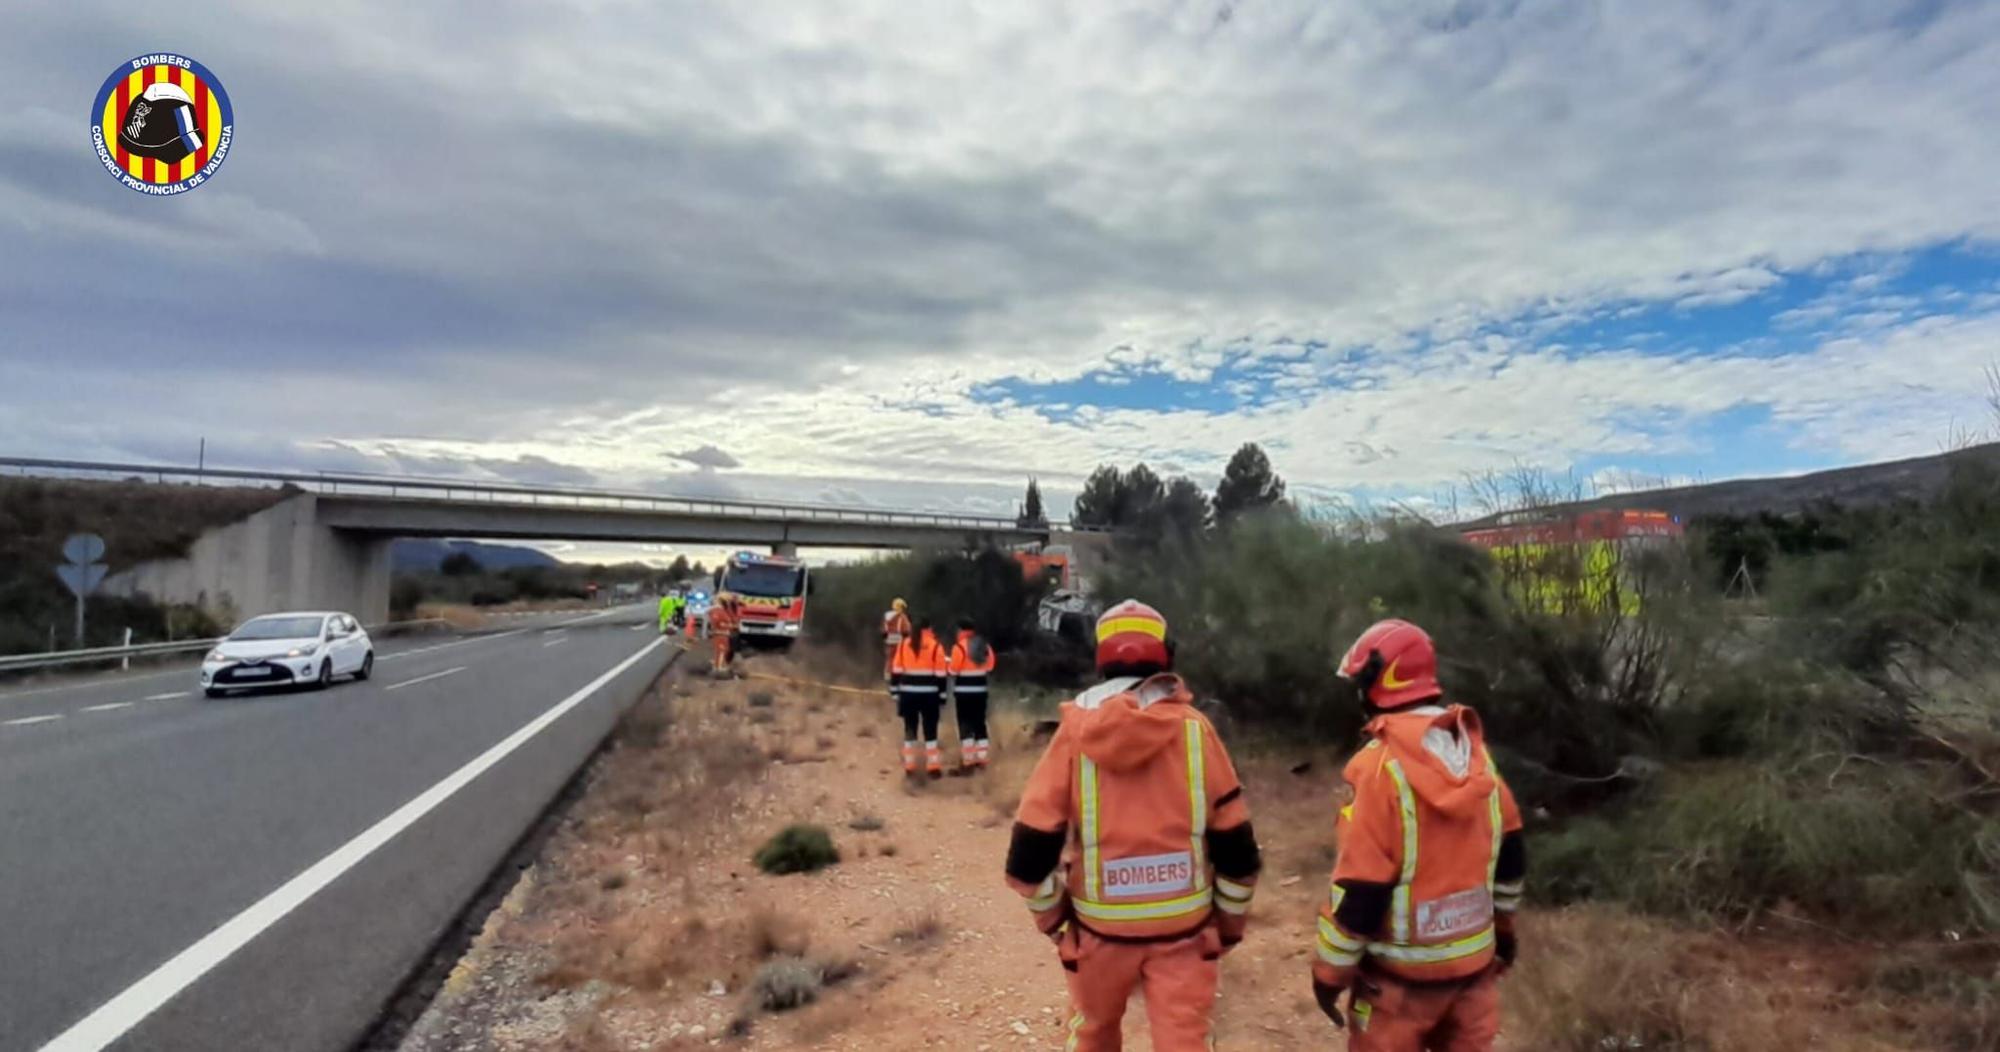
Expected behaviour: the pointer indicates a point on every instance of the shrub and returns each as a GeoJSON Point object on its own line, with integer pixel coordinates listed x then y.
{"type": "Point", "coordinates": [787, 983]}
{"type": "Point", "coordinates": [799, 848]}
{"type": "Point", "coordinates": [1852, 841]}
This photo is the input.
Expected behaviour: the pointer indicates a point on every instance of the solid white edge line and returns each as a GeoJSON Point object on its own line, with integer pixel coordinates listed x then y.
{"type": "Point", "coordinates": [108, 707]}
{"type": "Point", "coordinates": [558, 641]}
{"type": "Point", "coordinates": [116, 1017]}
{"type": "Point", "coordinates": [25, 720]}
{"type": "Point", "coordinates": [166, 697]}
{"type": "Point", "coordinates": [425, 679]}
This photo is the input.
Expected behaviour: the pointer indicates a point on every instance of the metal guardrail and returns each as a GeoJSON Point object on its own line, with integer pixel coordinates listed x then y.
{"type": "Point", "coordinates": [57, 658]}
{"type": "Point", "coordinates": [420, 487]}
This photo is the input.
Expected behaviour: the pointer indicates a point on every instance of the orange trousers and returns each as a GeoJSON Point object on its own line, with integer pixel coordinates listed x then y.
{"type": "Point", "coordinates": [1408, 1017]}
{"type": "Point", "coordinates": [1178, 976]}
{"type": "Point", "coordinates": [721, 651]}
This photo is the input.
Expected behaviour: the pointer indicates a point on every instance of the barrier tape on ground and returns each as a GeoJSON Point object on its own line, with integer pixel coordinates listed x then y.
{"type": "Point", "coordinates": [816, 683]}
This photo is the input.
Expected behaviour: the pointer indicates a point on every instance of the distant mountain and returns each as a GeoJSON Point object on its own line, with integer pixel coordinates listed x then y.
{"type": "Point", "coordinates": [1864, 485]}
{"type": "Point", "coordinates": [421, 554]}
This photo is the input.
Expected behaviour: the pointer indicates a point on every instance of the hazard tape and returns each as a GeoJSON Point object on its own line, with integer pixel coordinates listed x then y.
{"type": "Point", "coordinates": [815, 683]}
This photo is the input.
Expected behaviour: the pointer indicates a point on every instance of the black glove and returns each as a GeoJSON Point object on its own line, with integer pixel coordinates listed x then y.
{"type": "Point", "coordinates": [1329, 1003]}
{"type": "Point", "coordinates": [1504, 947]}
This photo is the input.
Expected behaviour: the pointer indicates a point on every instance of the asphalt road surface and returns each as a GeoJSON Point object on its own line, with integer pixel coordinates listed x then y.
{"type": "Point", "coordinates": [261, 872]}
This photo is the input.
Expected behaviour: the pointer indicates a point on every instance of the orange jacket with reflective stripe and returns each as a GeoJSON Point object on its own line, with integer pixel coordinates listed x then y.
{"type": "Point", "coordinates": [895, 626]}
{"type": "Point", "coordinates": [721, 619]}
{"type": "Point", "coordinates": [920, 655]}
{"type": "Point", "coordinates": [1138, 777]}
{"type": "Point", "coordinates": [961, 656]}
{"type": "Point", "coordinates": [1426, 819]}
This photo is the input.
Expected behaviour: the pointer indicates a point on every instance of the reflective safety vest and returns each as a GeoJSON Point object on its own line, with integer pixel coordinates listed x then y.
{"type": "Point", "coordinates": [919, 666]}
{"type": "Point", "coordinates": [1138, 777]}
{"type": "Point", "coordinates": [1431, 832]}
{"type": "Point", "coordinates": [970, 676]}
{"type": "Point", "coordinates": [895, 625]}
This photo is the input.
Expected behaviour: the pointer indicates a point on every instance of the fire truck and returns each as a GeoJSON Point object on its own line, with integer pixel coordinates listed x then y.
{"type": "Point", "coordinates": [1562, 563]}
{"type": "Point", "coordinates": [770, 590]}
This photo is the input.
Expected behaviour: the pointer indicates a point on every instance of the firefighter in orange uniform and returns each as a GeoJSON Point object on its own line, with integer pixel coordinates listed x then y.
{"type": "Point", "coordinates": [1419, 922]}
{"type": "Point", "coordinates": [971, 668]}
{"type": "Point", "coordinates": [917, 675]}
{"type": "Point", "coordinates": [722, 622]}
{"type": "Point", "coordinates": [1137, 794]}
{"type": "Point", "coordinates": [895, 628]}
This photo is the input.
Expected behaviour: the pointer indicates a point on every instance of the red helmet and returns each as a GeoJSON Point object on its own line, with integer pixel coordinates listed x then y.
{"type": "Point", "coordinates": [1132, 634]}
{"type": "Point", "coordinates": [1394, 663]}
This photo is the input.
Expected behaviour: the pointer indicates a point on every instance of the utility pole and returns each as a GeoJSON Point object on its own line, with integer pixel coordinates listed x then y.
{"type": "Point", "coordinates": [201, 458]}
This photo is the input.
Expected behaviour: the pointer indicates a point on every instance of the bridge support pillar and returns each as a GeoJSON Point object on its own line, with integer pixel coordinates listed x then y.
{"type": "Point", "coordinates": [785, 549]}
{"type": "Point", "coordinates": [281, 558]}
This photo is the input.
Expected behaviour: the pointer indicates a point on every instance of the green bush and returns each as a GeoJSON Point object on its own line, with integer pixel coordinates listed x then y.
{"type": "Point", "coordinates": [987, 586]}
{"type": "Point", "coordinates": [797, 848]}
{"type": "Point", "coordinates": [1852, 841]}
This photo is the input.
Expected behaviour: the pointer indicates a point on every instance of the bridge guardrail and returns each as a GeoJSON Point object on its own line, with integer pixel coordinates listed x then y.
{"type": "Point", "coordinates": [417, 487]}
{"type": "Point", "coordinates": [57, 658]}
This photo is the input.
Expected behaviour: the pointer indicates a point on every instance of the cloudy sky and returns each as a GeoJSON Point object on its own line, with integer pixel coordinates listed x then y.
{"type": "Point", "coordinates": [907, 254]}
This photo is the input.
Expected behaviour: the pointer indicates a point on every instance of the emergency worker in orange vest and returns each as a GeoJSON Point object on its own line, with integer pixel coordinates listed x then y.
{"type": "Point", "coordinates": [1419, 921]}
{"type": "Point", "coordinates": [971, 667]}
{"type": "Point", "coordinates": [1133, 845]}
{"type": "Point", "coordinates": [895, 628]}
{"type": "Point", "coordinates": [917, 674]}
{"type": "Point", "coordinates": [722, 623]}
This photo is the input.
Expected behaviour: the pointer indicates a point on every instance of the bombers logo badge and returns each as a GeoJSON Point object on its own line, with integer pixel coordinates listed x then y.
{"type": "Point", "coordinates": [162, 124]}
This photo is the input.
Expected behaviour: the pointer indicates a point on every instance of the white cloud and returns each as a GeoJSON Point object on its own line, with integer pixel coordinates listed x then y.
{"type": "Point", "coordinates": [803, 235]}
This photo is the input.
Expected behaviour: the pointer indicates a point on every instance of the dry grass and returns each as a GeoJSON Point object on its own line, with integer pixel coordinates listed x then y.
{"type": "Point", "coordinates": [458, 615]}
{"type": "Point", "coordinates": [769, 932]}
{"type": "Point", "coordinates": [919, 927]}
{"type": "Point", "coordinates": [1596, 978]}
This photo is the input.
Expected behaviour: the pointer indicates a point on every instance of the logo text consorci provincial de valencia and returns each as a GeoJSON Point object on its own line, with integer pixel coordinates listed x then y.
{"type": "Point", "coordinates": [162, 124]}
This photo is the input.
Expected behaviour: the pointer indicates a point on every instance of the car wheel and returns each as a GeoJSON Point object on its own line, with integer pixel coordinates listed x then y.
{"type": "Point", "coordinates": [325, 679]}
{"type": "Point", "coordinates": [213, 692]}
{"type": "Point", "coordinates": [367, 666]}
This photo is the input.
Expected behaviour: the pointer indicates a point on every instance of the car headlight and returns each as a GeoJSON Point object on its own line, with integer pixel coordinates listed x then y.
{"type": "Point", "coordinates": [217, 656]}
{"type": "Point", "coordinates": [791, 626]}
{"type": "Point", "coordinates": [302, 651]}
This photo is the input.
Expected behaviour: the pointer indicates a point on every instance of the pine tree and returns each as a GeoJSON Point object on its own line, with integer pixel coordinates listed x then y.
{"type": "Point", "coordinates": [1031, 507]}
{"type": "Point", "coordinates": [1099, 503]}
{"type": "Point", "coordinates": [1248, 484]}
{"type": "Point", "coordinates": [1186, 508]}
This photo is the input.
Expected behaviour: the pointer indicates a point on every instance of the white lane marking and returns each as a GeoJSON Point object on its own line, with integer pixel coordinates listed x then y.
{"type": "Point", "coordinates": [116, 1017]}
{"type": "Point", "coordinates": [108, 707]}
{"type": "Point", "coordinates": [107, 681]}
{"type": "Point", "coordinates": [425, 679]}
{"type": "Point", "coordinates": [557, 641]}
{"type": "Point", "coordinates": [166, 697]}
{"type": "Point", "coordinates": [447, 646]}
{"type": "Point", "coordinates": [25, 720]}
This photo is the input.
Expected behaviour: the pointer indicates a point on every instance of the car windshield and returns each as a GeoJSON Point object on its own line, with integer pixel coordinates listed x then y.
{"type": "Point", "coordinates": [765, 580]}
{"type": "Point", "coordinates": [278, 628]}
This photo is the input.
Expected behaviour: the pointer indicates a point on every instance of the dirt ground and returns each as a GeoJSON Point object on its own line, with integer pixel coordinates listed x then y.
{"type": "Point", "coordinates": [644, 923]}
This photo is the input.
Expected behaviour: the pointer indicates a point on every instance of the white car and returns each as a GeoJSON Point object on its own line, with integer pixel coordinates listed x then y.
{"type": "Point", "coordinates": [286, 649]}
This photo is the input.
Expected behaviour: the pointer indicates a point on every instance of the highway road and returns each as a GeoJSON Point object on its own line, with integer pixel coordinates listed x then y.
{"type": "Point", "coordinates": [262, 872]}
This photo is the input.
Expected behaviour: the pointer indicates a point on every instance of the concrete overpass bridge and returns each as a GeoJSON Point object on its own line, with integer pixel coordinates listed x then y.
{"type": "Point", "coordinates": [325, 543]}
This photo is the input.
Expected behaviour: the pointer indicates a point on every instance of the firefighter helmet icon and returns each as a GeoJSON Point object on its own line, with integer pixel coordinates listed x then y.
{"type": "Point", "coordinates": [162, 124]}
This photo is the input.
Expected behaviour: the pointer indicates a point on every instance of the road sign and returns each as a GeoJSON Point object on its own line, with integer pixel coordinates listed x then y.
{"type": "Point", "coordinates": [82, 579]}
{"type": "Point", "coordinates": [83, 573]}
{"type": "Point", "coordinates": [83, 548]}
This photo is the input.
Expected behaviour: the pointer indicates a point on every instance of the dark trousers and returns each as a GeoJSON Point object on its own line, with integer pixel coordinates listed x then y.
{"type": "Point", "coordinates": [971, 702]}
{"type": "Point", "coordinates": [920, 704]}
